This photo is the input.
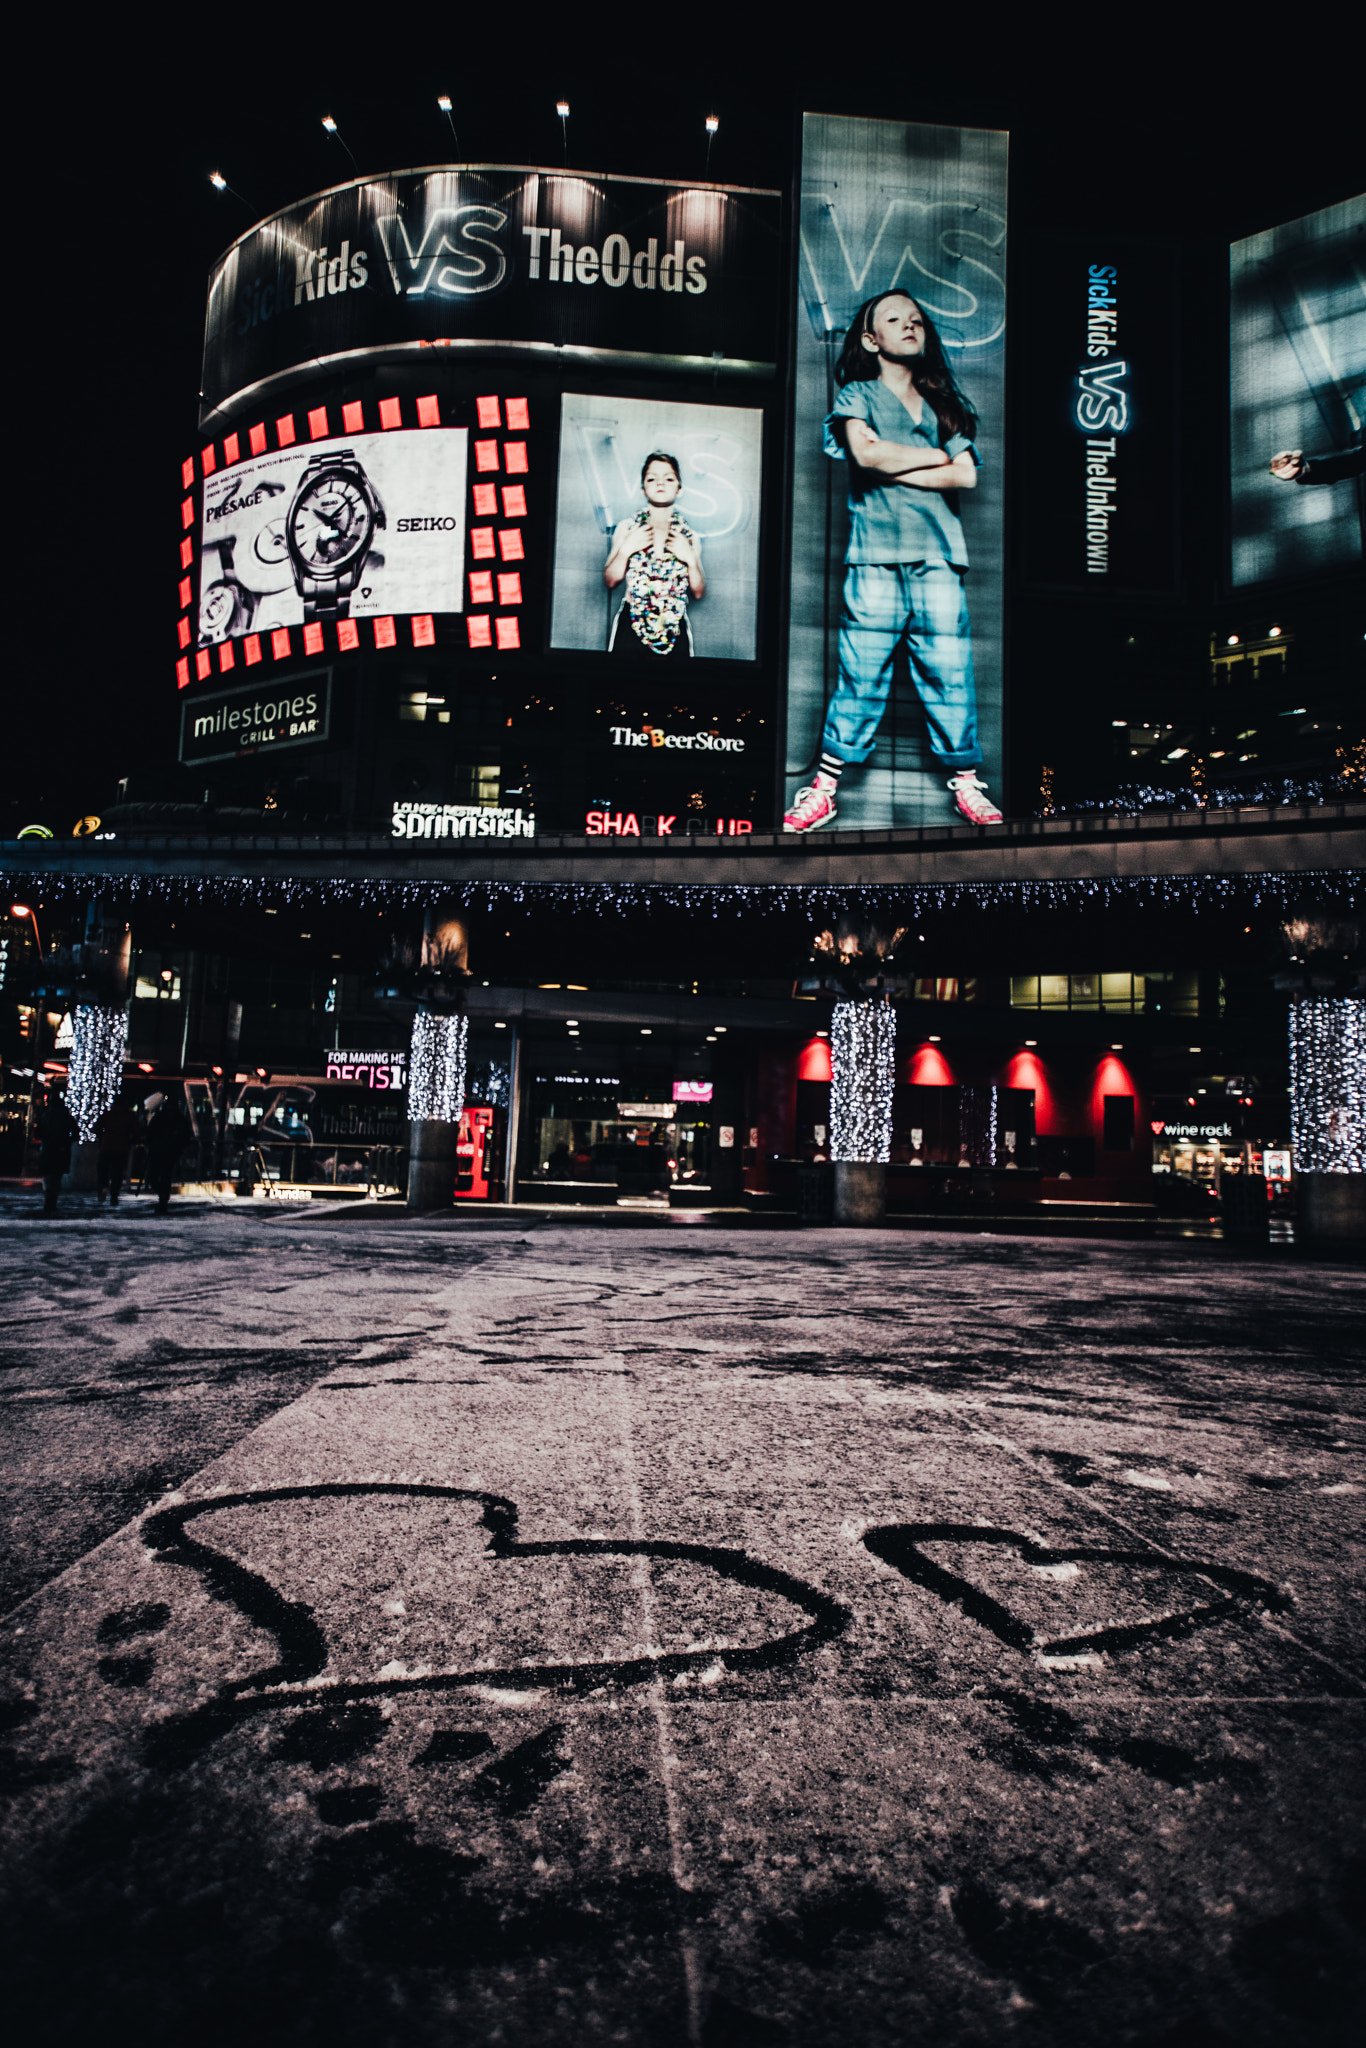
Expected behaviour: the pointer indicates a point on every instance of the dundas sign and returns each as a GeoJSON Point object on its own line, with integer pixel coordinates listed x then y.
{"type": "Point", "coordinates": [669, 274]}
{"type": "Point", "coordinates": [229, 725]}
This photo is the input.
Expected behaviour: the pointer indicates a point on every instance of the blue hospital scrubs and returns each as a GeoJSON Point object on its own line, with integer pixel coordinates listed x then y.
{"type": "Point", "coordinates": [903, 585]}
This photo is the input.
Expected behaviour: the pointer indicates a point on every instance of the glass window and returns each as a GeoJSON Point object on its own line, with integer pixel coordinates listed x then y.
{"type": "Point", "coordinates": [1052, 991]}
{"type": "Point", "coordinates": [1084, 991]}
{"type": "Point", "coordinates": [1117, 992]}
{"type": "Point", "coordinates": [1024, 991]}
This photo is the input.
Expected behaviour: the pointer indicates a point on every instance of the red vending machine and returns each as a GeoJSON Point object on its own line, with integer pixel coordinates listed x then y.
{"type": "Point", "coordinates": [476, 1155]}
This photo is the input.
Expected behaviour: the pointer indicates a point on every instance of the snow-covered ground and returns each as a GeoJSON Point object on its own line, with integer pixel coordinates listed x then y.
{"type": "Point", "coordinates": [463, 1632]}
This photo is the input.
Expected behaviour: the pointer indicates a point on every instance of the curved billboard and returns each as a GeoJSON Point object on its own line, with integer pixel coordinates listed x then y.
{"type": "Point", "coordinates": [674, 276]}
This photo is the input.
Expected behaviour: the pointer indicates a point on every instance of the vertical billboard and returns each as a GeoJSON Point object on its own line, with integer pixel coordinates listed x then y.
{"type": "Point", "coordinates": [1099, 436]}
{"type": "Point", "coordinates": [894, 687]}
{"type": "Point", "coordinates": [657, 528]}
{"type": "Point", "coordinates": [1297, 368]}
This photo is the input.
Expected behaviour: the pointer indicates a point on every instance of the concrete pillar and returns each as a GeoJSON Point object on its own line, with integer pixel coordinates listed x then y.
{"type": "Point", "coordinates": [1331, 1208]}
{"type": "Point", "coordinates": [1328, 1117]}
{"type": "Point", "coordinates": [84, 1174]}
{"type": "Point", "coordinates": [431, 1164]}
{"type": "Point", "coordinates": [860, 1191]}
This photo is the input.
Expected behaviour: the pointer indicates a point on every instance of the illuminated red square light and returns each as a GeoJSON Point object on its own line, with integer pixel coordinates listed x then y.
{"type": "Point", "coordinates": [353, 417]}
{"type": "Point", "coordinates": [182, 673]}
{"type": "Point", "coordinates": [313, 638]}
{"type": "Point", "coordinates": [317, 423]}
{"type": "Point", "coordinates": [480, 631]}
{"type": "Point", "coordinates": [510, 588]}
{"type": "Point", "coordinates": [186, 552]}
{"type": "Point", "coordinates": [207, 461]}
{"type": "Point", "coordinates": [514, 501]}
{"type": "Point", "coordinates": [481, 586]}
{"type": "Point", "coordinates": [510, 544]}
{"type": "Point", "coordinates": [481, 543]}
{"type": "Point", "coordinates": [251, 649]}
{"type": "Point", "coordinates": [429, 411]}
{"type": "Point", "coordinates": [284, 431]}
{"type": "Point", "coordinates": [184, 592]}
{"type": "Point", "coordinates": [187, 472]}
{"type": "Point", "coordinates": [514, 458]}
{"type": "Point", "coordinates": [187, 512]}
{"type": "Point", "coordinates": [232, 451]}
{"type": "Point", "coordinates": [203, 663]}
{"type": "Point", "coordinates": [390, 413]}
{"type": "Point", "coordinates": [486, 501]}
{"type": "Point", "coordinates": [424, 630]}
{"type": "Point", "coordinates": [226, 658]}
{"type": "Point", "coordinates": [348, 635]}
{"type": "Point", "coordinates": [256, 439]}
{"type": "Point", "coordinates": [486, 410]}
{"type": "Point", "coordinates": [509, 635]}
{"type": "Point", "coordinates": [279, 643]}
{"type": "Point", "coordinates": [183, 632]}
{"type": "Point", "coordinates": [486, 455]}
{"type": "Point", "coordinates": [385, 634]}
{"type": "Point", "coordinates": [519, 419]}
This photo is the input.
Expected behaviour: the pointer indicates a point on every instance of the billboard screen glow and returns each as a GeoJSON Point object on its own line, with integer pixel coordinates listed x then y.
{"type": "Point", "coordinates": [894, 664]}
{"type": "Point", "coordinates": [1297, 375]}
{"type": "Point", "coordinates": [365, 525]}
{"type": "Point", "coordinates": [618, 592]}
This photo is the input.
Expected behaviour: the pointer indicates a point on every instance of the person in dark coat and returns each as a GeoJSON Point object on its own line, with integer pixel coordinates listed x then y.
{"type": "Point", "coordinates": [56, 1132]}
{"type": "Point", "coordinates": [116, 1133]}
{"type": "Point", "coordinates": [168, 1133]}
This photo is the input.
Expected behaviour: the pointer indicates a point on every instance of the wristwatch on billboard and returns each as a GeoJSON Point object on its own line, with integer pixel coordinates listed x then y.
{"type": "Point", "coordinates": [329, 528]}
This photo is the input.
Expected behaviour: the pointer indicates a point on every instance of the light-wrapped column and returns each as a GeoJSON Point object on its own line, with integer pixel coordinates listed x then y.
{"type": "Point", "coordinates": [99, 1042]}
{"type": "Point", "coordinates": [863, 1073]}
{"type": "Point", "coordinates": [1328, 1084]}
{"type": "Point", "coordinates": [436, 1067]}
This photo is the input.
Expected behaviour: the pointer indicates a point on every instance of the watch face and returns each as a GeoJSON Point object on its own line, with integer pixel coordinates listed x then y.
{"type": "Point", "coordinates": [217, 610]}
{"type": "Point", "coordinates": [331, 524]}
{"type": "Point", "coordinates": [270, 545]}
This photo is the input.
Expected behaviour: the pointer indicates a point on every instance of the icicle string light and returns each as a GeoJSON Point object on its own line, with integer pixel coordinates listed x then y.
{"type": "Point", "coordinates": [99, 1042]}
{"type": "Point", "coordinates": [1328, 1084]}
{"type": "Point", "coordinates": [1341, 888]}
{"type": "Point", "coordinates": [863, 1074]}
{"type": "Point", "coordinates": [436, 1069]}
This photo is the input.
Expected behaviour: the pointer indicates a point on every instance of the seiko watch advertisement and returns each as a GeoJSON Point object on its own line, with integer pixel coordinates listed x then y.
{"type": "Point", "coordinates": [366, 525]}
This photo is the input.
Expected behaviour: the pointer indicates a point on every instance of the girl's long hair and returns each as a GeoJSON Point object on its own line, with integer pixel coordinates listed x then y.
{"type": "Point", "coordinates": [930, 372]}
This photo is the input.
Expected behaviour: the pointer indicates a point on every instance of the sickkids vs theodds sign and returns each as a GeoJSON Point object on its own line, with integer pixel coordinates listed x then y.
{"type": "Point", "coordinates": [673, 274]}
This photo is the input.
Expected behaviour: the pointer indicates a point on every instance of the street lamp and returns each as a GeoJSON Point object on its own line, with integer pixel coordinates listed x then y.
{"type": "Point", "coordinates": [22, 911]}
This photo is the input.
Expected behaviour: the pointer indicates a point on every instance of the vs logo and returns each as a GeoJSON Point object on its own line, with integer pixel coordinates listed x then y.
{"type": "Point", "coordinates": [1102, 400]}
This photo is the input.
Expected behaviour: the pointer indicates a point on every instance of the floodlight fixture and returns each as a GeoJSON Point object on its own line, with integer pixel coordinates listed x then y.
{"type": "Point", "coordinates": [713, 123]}
{"type": "Point", "coordinates": [330, 127]}
{"type": "Point", "coordinates": [443, 100]}
{"type": "Point", "coordinates": [218, 181]}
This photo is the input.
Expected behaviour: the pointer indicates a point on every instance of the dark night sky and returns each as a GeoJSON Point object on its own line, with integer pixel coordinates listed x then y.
{"type": "Point", "coordinates": [113, 142]}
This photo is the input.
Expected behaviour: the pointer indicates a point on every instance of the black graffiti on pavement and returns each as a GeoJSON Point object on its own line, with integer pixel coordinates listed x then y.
{"type": "Point", "coordinates": [301, 1646]}
{"type": "Point", "coordinates": [899, 1545]}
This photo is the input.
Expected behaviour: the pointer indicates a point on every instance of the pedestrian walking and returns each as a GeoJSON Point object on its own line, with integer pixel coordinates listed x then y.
{"type": "Point", "coordinates": [56, 1133]}
{"type": "Point", "coordinates": [168, 1133]}
{"type": "Point", "coordinates": [116, 1132]}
